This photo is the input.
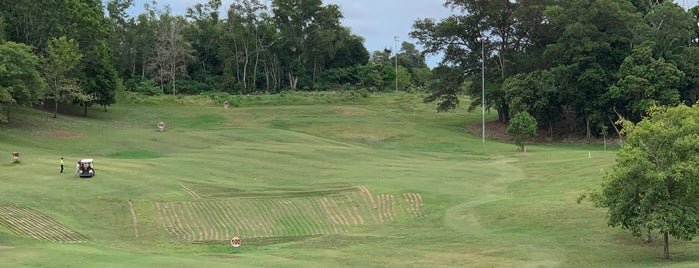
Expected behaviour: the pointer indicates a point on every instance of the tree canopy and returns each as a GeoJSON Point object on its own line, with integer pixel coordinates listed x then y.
{"type": "Point", "coordinates": [574, 65]}
{"type": "Point", "coordinates": [655, 182]}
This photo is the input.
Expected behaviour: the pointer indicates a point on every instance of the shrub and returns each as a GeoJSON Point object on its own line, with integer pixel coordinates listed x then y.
{"type": "Point", "coordinates": [522, 128]}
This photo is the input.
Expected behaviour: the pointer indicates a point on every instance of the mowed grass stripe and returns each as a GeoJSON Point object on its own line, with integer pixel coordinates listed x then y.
{"type": "Point", "coordinates": [339, 211]}
{"type": "Point", "coordinates": [206, 220]}
{"type": "Point", "coordinates": [257, 216]}
{"type": "Point", "coordinates": [134, 219]}
{"type": "Point", "coordinates": [218, 218]}
{"type": "Point", "coordinates": [414, 204]}
{"type": "Point", "coordinates": [305, 220]}
{"type": "Point", "coordinates": [190, 234]}
{"type": "Point", "coordinates": [195, 221]}
{"type": "Point", "coordinates": [265, 218]}
{"type": "Point", "coordinates": [364, 206]}
{"type": "Point", "coordinates": [31, 223]}
{"type": "Point", "coordinates": [354, 206]}
{"type": "Point", "coordinates": [373, 206]}
{"type": "Point", "coordinates": [40, 226]}
{"type": "Point", "coordinates": [336, 220]}
{"type": "Point", "coordinates": [245, 220]}
{"type": "Point", "coordinates": [316, 209]}
{"type": "Point", "coordinates": [286, 223]}
{"type": "Point", "coordinates": [314, 222]}
{"type": "Point", "coordinates": [228, 218]}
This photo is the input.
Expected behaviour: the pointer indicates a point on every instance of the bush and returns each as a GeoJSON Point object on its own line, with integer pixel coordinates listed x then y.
{"type": "Point", "coordinates": [522, 128]}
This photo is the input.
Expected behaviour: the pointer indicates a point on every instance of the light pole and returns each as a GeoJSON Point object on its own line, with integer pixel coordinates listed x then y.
{"type": "Point", "coordinates": [396, 54]}
{"type": "Point", "coordinates": [481, 39]}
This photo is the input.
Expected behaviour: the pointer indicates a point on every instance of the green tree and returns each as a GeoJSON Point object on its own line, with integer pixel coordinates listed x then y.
{"type": "Point", "coordinates": [101, 78]}
{"type": "Point", "coordinates": [204, 31]}
{"type": "Point", "coordinates": [307, 36]}
{"type": "Point", "coordinates": [444, 88]}
{"type": "Point", "coordinates": [20, 79]}
{"type": "Point", "coordinates": [593, 41]}
{"type": "Point", "coordinates": [655, 182]}
{"type": "Point", "coordinates": [536, 93]}
{"type": "Point", "coordinates": [122, 36]}
{"type": "Point", "coordinates": [643, 82]}
{"type": "Point", "coordinates": [62, 59]}
{"type": "Point", "coordinates": [522, 128]}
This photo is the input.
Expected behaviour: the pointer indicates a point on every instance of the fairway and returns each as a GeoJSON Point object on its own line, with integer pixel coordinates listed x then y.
{"type": "Point", "coordinates": [381, 181]}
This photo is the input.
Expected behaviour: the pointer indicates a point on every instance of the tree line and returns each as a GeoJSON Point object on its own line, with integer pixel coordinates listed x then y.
{"type": "Point", "coordinates": [83, 51]}
{"type": "Point", "coordinates": [577, 66]}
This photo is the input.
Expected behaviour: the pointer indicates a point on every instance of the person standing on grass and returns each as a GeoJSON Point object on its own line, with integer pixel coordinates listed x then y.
{"type": "Point", "coordinates": [61, 164]}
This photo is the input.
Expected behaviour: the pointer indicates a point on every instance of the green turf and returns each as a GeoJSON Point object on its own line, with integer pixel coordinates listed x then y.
{"type": "Point", "coordinates": [376, 182]}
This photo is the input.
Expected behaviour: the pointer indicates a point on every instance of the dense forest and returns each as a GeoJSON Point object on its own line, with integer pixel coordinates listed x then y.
{"type": "Point", "coordinates": [575, 65]}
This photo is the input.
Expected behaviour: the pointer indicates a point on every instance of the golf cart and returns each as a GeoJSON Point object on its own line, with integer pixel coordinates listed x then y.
{"type": "Point", "coordinates": [85, 168]}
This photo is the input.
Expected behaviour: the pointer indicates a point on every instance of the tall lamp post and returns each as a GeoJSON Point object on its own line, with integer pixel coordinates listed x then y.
{"type": "Point", "coordinates": [396, 54]}
{"type": "Point", "coordinates": [481, 39]}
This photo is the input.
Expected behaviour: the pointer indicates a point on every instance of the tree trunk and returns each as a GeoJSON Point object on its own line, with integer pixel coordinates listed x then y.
{"type": "Point", "coordinates": [649, 238]}
{"type": "Point", "coordinates": [55, 109]}
{"type": "Point", "coordinates": [85, 109]}
{"type": "Point", "coordinates": [7, 111]}
{"type": "Point", "coordinates": [588, 134]}
{"type": "Point", "coordinates": [666, 246]}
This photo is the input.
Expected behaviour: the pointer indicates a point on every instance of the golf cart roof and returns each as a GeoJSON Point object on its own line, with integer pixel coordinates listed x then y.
{"type": "Point", "coordinates": [87, 160]}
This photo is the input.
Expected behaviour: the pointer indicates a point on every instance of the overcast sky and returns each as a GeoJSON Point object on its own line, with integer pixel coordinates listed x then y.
{"type": "Point", "coordinates": [378, 21]}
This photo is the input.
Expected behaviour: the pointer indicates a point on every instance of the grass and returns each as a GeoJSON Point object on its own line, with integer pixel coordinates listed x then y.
{"type": "Point", "coordinates": [315, 185]}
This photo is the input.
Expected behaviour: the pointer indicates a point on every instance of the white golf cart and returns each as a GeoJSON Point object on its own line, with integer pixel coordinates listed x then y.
{"type": "Point", "coordinates": [85, 168]}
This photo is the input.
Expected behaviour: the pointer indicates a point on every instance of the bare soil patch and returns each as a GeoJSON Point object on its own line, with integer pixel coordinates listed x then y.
{"type": "Point", "coordinates": [496, 130]}
{"type": "Point", "coordinates": [62, 134]}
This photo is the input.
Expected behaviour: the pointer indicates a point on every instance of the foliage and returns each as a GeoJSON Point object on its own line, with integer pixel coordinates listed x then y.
{"type": "Point", "coordinates": [62, 59]}
{"type": "Point", "coordinates": [535, 93]}
{"type": "Point", "coordinates": [20, 79]}
{"type": "Point", "coordinates": [654, 184]}
{"type": "Point", "coordinates": [444, 89]}
{"type": "Point", "coordinates": [643, 82]}
{"type": "Point", "coordinates": [522, 128]}
{"type": "Point", "coordinates": [570, 56]}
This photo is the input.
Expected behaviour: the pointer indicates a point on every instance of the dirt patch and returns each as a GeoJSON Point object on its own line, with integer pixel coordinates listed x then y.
{"type": "Point", "coordinates": [494, 130]}
{"type": "Point", "coordinates": [4, 247]}
{"type": "Point", "coordinates": [224, 256]}
{"type": "Point", "coordinates": [62, 134]}
{"type": "Point", "coordinates": [350, 111]}
{"type": "Point", "coordinates": [362, 136]}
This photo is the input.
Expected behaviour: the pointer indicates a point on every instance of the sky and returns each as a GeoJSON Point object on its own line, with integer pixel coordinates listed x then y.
{"type": "Point", "coordinates": [378, 21]}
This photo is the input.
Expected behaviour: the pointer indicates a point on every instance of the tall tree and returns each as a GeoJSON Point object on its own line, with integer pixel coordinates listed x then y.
{"type": "Point", "coordinates": [536, 93]}
{"type": "Point", "coordinates": [122, 36]}
{"type": "Point", "coordinates": [643, 82]}
{"type": "Point", "coordinates": [245, 39]}
{"type": "Point", "coordinates": [594, 39]}
{"type": "Point", "coordinates": [204, 31]}
{"type": "Point", "coordinates": [655, 182]}
{"type": "Point", "coordinates": [306, 28]}
{"type": "Point", "coordinates": [62, 58]}
{"type": "Point", "coordinates": [482, 26]}
{"type": "Point", "coordinates": [172, 52]}
{"type": "Point", "coordinates": [20, 79]}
